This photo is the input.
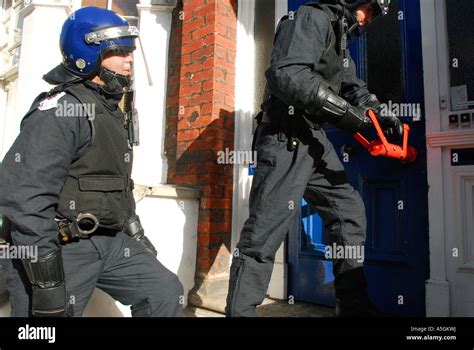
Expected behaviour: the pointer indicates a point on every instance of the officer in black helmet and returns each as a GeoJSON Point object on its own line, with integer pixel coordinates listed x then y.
{"type": "Point", "coordinates": [65, 185]}
{"type": "Point", "coordinates": [311, 81]}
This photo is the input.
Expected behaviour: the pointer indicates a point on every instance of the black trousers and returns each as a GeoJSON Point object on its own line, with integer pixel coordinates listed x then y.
{"type": "Point", "coordinates": [118, 265]}
{"type": "Point", "coordinates": [282, 178]}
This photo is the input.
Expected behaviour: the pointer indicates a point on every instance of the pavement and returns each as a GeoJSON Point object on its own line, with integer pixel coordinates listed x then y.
{"type": "Point", "coordinates": [272, 308]}
{"type": "Point", "coordinates": [269, 308]}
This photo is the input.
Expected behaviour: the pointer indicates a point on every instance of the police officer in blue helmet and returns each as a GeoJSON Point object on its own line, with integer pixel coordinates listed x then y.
{"type": "Point", "coordinates": [311, 82]}
{"type": "Point", "coordinates": [88, 38]}
{"type": "Point", "coordinates": [66, 187]}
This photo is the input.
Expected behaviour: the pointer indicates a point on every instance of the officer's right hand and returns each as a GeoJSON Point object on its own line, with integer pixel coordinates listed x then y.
{"type": "Point", "coordinates": [354, 120]}
{"type": "Point", "coordinates": [332, 108]}
{"type": "Point", "coordinates": [50, 302]}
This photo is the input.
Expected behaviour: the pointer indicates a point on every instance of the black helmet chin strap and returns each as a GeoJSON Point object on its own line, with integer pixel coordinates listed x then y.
{"type": "Point", "coordinates": [114, 82]}
{"type": "Point", "coordinates": [343, 36]}
{"type": "Point", "coordinates": [353, 27]}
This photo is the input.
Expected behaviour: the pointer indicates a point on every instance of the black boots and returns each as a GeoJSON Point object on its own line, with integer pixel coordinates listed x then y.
{"type": "Point", "coordinates": [356, 306]}
{"type": "Point", "coordinates": [351, 295]}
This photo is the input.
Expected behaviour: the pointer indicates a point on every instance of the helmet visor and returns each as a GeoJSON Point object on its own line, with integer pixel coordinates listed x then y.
{"type": "Point", "coordinates": [122, 46]}
{"type": "Point", "coordinates": [380, 7]}
{"type": "Point", "coordinates": [97, 36]}
{"type": "Point", "coordinates": [113, 40]}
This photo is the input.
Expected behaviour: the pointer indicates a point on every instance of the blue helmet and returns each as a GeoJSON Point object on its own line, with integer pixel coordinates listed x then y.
{"type": "Point", "coordinates": [86, 37]}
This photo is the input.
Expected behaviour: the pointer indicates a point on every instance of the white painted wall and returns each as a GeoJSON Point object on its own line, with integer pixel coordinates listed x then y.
{"type": "Point", "coordinates": [171, 225]}
{"type": "Point", "coordinates": [150, 166]}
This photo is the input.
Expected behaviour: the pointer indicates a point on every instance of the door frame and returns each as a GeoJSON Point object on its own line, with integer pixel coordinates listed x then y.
{"type": "Point", "coordinates": [443, 220]}
{"type": "Point", "coordinates": [244, 111]}
{"type": "Point", "coordinates": [244, 116]}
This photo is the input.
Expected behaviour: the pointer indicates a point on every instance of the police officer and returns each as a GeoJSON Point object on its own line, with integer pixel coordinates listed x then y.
{"type": "Point", "coordinates": [65, 185]}
{"type": "Point", "coordinates": [311, 81]}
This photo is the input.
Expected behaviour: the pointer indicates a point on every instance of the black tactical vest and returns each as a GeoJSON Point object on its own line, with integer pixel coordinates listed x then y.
{"type": "Point", "coordinates": [329, 69]}
{"type": "Point", "coordinates": [99, 181]}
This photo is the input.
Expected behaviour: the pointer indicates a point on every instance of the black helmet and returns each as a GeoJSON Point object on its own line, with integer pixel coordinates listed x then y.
{"type": "Point", "coordinates": [379, 7]}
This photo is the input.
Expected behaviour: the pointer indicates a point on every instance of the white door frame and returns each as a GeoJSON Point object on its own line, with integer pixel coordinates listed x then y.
{"type": "Point", "coordinates": [245, 111]}
{"type": "Point", "coordinates": [443, 180]}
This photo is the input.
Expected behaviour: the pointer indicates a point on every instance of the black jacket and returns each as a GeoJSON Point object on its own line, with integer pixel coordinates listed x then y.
{"type": "Point", "coordinates": [306, 54]}
{"type": "Point", "coordinates": [35, 168]}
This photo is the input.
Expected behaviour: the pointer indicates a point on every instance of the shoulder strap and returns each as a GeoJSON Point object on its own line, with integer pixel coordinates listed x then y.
{"type": "Point", "coordinates": [41, 97]}
{"type": "Point", "coordinates": [82, 94]}
{"type": "Point", "coordinates": [85, 96]}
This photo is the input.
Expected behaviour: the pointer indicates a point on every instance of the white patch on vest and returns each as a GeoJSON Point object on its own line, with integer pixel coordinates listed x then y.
{"type": "Point", "coordinates": [51, 102]}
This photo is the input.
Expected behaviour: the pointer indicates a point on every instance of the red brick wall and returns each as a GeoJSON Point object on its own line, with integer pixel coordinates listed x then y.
{"type": "Point", "coordinates": [96, 3]}
{"type": "Point", "coordinates": [200, 119]}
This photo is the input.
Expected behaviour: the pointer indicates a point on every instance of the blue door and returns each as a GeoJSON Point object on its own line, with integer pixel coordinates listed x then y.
{"type": "Point", "coordinates": [389, 58]}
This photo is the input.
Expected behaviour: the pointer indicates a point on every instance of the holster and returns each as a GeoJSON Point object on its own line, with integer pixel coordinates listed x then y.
{"type": "Point", "coordinates": [5, 230]}
{"type": "Point", "coordinates": [134, 229]}
{"type": "Point", "coordinates": [49, 295]}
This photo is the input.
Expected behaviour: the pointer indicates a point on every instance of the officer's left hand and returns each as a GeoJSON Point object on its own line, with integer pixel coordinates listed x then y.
{"type": "Point", "coordinates": [391, 125]}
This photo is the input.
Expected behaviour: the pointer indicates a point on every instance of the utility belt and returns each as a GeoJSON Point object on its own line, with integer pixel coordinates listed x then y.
{"type": "Point", "coordinates": [289, 128]}
{"type": "Point", "coordinates": [86, 224]}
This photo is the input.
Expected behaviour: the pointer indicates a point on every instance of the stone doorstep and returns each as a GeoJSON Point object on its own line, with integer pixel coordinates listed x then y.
{"type": "Point", "coordinates": [166, 191]}
{"type": "Point", "coordinates": [271, 308]}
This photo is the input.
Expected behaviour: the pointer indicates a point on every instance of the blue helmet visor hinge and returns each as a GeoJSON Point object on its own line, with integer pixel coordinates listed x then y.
{"type": "Point", "coordinates": [96, 37]}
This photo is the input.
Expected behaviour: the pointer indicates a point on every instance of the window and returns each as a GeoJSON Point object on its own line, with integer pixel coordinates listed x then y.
{"type": "Point", "coordinates": [461, 51]}
{"type": "Point", "coordinates": [125, 8]}
{"type": "Point", "coordinates": [11, 24]}
{"type": "Point", "coordinates": [384, 61]}
{"type": "Point", "coordinates": [6, 4]}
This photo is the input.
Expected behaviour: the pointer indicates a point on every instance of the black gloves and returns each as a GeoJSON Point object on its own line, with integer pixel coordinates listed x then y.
{"type": "Point", "coordinates": [335, 110]}
{"type": "Point", "coordinates": [390, 124]}
{"type": "Point", "coordinates": [135, 229]}
{"type": "Point", "coordinates": [49, 296]}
